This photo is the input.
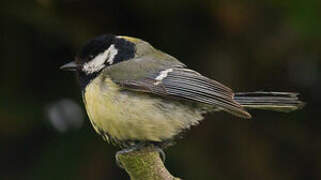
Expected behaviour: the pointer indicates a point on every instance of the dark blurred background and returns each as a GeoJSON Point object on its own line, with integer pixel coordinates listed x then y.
{"type": "Point", "coordinates": [247, 45]}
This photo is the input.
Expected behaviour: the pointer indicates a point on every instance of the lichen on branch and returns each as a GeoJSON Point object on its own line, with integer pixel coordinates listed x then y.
{"type": "Point", "coordinates": [145, 164]}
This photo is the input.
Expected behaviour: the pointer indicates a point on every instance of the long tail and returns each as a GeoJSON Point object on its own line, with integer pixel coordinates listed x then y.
{"type": "Point", "coordinates": [275, 101]}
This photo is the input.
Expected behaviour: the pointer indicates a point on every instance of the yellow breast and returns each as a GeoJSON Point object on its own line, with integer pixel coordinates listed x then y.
{"type": "Point", "coordinates": [128, 115]}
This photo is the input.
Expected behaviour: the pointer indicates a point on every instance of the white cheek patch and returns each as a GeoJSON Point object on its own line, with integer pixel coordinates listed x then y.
{"type": "Point", "coordinates": [98, 62]}
{"type": "Point", "coordinates": [162, 75]}
{"type": "Point", "coordinates": [112, 53]}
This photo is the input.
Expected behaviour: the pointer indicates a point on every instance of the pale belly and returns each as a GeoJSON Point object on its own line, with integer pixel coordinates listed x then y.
{"type": "Point", "coordinates": [127, 115]}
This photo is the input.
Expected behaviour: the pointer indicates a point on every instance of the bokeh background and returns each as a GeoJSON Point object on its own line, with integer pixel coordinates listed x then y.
{"type": "Point", "coordinates": [247, 45]}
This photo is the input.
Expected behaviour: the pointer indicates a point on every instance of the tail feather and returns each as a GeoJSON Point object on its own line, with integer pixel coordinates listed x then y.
{"type": "Point", "coordinates": [275, 101]}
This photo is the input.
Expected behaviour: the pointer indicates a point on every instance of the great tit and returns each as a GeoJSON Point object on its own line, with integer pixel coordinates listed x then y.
{"type": "Point", "coordinates": [135, 93]}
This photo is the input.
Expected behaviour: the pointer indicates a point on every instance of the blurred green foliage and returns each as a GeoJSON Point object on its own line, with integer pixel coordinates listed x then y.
{"type": "Point", "coordinates": [247, 45]}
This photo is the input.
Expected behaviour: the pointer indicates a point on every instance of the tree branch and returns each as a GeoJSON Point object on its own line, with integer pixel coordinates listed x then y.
{"type": "Point", "coordinates": [145, 164]}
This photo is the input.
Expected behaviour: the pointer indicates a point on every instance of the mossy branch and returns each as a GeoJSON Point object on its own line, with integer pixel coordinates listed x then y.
{"type": "Point", "coordinates": [145, 164]}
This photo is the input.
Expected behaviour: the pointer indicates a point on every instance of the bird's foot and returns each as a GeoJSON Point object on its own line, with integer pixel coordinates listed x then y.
{"type": "Point", "coordinates": [137, 148]}
{"type": "Point", "coordinates": [124, 151]}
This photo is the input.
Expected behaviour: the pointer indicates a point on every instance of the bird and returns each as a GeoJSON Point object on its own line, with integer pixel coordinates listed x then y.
{"type": "Point", "coordinates": [136, 95]}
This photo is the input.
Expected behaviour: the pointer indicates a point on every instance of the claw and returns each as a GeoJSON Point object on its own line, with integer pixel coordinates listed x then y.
{"type": "Point", "coordinates": [161, 154]}
{"type": "Point", "coordinates": [117, 160]}
{"type": "Point", "coordinates": [124, 151]}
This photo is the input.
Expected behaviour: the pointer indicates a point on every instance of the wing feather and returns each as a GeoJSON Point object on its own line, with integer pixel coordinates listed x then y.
{"type": "Point", "coordinates": [189, 85]}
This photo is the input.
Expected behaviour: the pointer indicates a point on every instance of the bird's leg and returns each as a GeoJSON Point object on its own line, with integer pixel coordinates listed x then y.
{"type": "Point", "coordinates": [137, 147]}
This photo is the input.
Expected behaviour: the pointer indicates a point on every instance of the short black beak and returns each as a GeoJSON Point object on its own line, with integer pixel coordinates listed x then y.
{"type": "Point", "coordinates": [72, 66]}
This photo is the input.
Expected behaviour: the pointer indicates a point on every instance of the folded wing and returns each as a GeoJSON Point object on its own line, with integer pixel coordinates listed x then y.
{"type": "Point", "coordinates": [186, 84]}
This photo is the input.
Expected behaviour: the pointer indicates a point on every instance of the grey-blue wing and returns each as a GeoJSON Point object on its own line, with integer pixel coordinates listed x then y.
{"type": "Point", "coordinates": [188, 85]}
